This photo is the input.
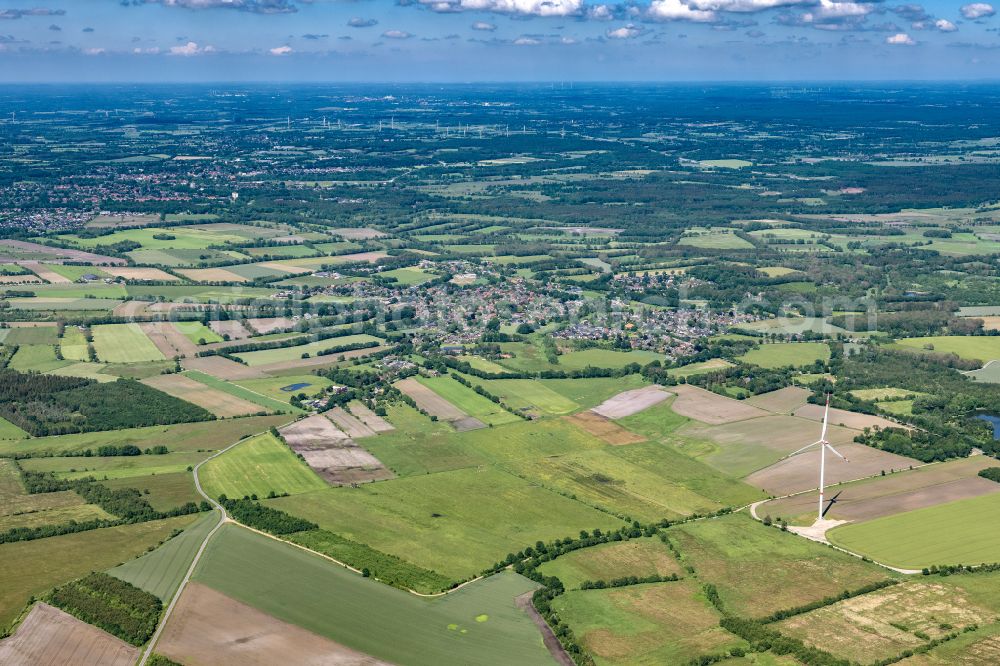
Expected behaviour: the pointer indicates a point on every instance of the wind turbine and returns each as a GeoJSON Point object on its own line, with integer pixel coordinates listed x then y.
{"type": "Point", "coordinates": [823, 446]}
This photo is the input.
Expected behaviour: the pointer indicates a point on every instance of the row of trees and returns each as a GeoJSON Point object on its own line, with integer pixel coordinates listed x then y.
{"type": "Point", "coordinates": [117, 607]}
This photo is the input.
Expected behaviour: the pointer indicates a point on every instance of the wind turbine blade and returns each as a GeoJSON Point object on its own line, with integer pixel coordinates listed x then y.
{"type": "Point", "coordinates": [826, 419]}
{"type": "Point", "coordinates": [808, 446]}
{"type": "Point", "coordinates": [827, 445]}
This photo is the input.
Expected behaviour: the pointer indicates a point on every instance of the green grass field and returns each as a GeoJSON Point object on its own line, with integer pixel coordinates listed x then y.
{"type": "Point", "coordinates": [257, 467]}
{"type": "Point", "coordinates": [658, 623]}
{"type": "Point", "coordinates": [468, 400]}
{"type": "Point", "coordinates": [73, 344]}
{"type": "Point", "coordinates": [10, 431]}
{"type": "Point", "coordinates": [31, 335]}
{"type": "Point", "coordinates": [593, 391]}
{"type": "Point", "coordinates": [456, 523]}
{"type": "Point", "coordinates": [646, 556]}
{"type": "Point", "coordinates": [33, 567]}
{"type": "Point", "coordinates": [74, 273]}
{"type": "Point", "coordinates": [160, 572]}
{"type": "Point", "coordinates": [914, 539]}
{"type": "Point", "coordinates": [184, 238]}
{"type": "Point", "coordinates": [980, 348]}
{"type": "Point", "coordinates": [528, 394]}
{"type": "Point", "coordinates": [478, 624]}
{"type": "Point", "coordinates": [203, 436]}
{"type": "Point", "coordinates": [721, 239]}
{"type": "Point", "coordinates": [266, 356]}
{"type": "Point", "coordinates": [195, 331]}
{"type": "Point", "coordinates": [115, 467]}
{"type": "Point", "coordinates": [271, 386]}
{"type": "Point", "coordinates": [36, 358]}
{"type": "Point", "coordinates": [124, 343]}
{"type": "Point", "coordinates": [56, 516]}
{"type": "Point", "coordinates": [240, 392]}
{"type": "Point", "coordinates": [164, 491]}
{"type": "Point", "coordinates": [693, 369]}
{"type": "Point", "coordinates": [759, 570]}
{"type": "Point", "coordinates": [784, 354]}
{"type": "Point", "coordinates": [408, 277]}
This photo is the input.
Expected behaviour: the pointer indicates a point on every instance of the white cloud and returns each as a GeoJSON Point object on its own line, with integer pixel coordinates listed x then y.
{"type": "Point", "coordinates": [944, 25]}
{"type": "Point", "coordinates": [742, 5]}
{"type": "Point", "coordinates": [900, 39]}
{"type": "Point", "coordinates": [190, 49]}
{"type": "Point", "coordinates": [675, 10]}
{"type": "Point", "coordinates": [977, 10]}
{"type": "Point", "coordinates": [625, 32]}
{"type": "Point", "coordinates": [527, 41]}
{"type": "Point", "coordinates": [152, 50]}
{"type": "Point", "coordinates": [93, 51]}
{"type": "Point", "coordinates": [483, 25]}
{"type": "Point", "coordinates": [252, 6]}
{"type": "Point", "coordinates": [281, 50]}
{"type": "Point", "coordinates": [396, 34]}
{"type": "Point", "coordinates": [521, 7]}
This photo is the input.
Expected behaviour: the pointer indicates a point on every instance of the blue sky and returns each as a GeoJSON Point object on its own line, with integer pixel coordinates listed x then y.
{"type": "Point", "coordinates": [495, 40]}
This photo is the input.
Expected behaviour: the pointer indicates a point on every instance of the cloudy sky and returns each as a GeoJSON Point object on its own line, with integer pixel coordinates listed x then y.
{"type": "Point", "coordinates": [496, 40]}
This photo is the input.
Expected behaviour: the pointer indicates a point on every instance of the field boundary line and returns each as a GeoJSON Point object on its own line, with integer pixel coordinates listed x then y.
{"type": "Point", "coordinates": [223, 519]}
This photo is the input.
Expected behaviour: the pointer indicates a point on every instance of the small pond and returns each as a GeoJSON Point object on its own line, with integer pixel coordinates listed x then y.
{"type": "Point", "coordinates": [994, 421]}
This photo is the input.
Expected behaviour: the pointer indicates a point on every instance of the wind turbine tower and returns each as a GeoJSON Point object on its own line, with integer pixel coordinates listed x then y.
{"type": "Point", "coordinates": [823, 446]}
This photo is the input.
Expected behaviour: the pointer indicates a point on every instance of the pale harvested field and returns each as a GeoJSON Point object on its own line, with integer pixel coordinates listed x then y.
{"type": "Point", "coordinates": [19, 279]}
{"type": "Point", "coordinates": [317, 361]}
{"type": "Point", "coordinates": [708, 407]}
{"type": "Point", "coordinates": [331, 453]}
{"type": "Point", "coordinates": [895, 493]}
{"type": "Point", "coordinates": [867, 628]}
{"type": "Point", "coordinates": [801, 472]}
{"type": "Point", "coordinates": [137, 273]}
{"type": "Point", "coordinates": [223, 368]}
{"type": "Point", "coordinates": [168, 339]}
{"type": "Point", "coordinates": [219, 403]}
{"type": "Point", "coordinates": [429, 401]}
{"type": "Point", "coordinates": [782, 401]}
{"type": "Point", "coordinates": [233, 328]}
{"type": "Point", "coordinates": [207, 628]}
{"type": "Point", "coordinates": [73, 255]}
{"type": "Point", "coordinates": [284, 268]}
{"type": "Point", "coordinates": [370, 257]}
{"type": "Point", "coordinates": [605, 429]}
{"type": "Point", "coordinates": [346, 422]}
{"type": "Point", "coordinates": [46, 274]}
{"type": "Point", "coordinates": [211, 275]}
{"type": "Point", "coordinates": [48, 636]}
{"type": "Point", "coordinates": [370, 418]}
{"type": "Point", "coordinates": [845, 418]}
{"type": "Point", "coordinates": [130, 308]}
{"type": "Point", "coordinates": [266, 325]}
{"type": "Point", "coordinates": [631, 402]}
{"type": "Point", "coordinates": [359, 233]}
{"type": "Point", "coordinates": [990, 323]}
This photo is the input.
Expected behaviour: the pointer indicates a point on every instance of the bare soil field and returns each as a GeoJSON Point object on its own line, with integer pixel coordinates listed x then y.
{"type": "Point", "coordinates": [346, 422]}
{"type": "Point", "coordinates": [894, 493]}
{"type": "Point", "coordinates": [605, 429]}
{"type": "Point", "coordinates": [223, 368]}
{"type": "Point", "coordinates": [46, 274]}
{"type": "Point", "coordinates": [631, 402]}
{"type": "Point", "coordinates": [211, 275]}
{"type": "Point", "coordinates": [331, 453]}
{"type": "Point", "coordinates": [168, 339]}
{"type": "Point", "coordinates": [266, 325]}
{"type": "Point", "coordinates": [370, 418]}
{"type": "Point", "coordinates": [130, 308]}
{"type": "Point", "coordinates": [801, 472]}
{"type": "Point", "coordinates": [708, 407]}
{"type": "Point", "coordinates": [846, 418]}
{"type": "Point", "coordinates": [50, 636]}
{"type": "Point", "coordinates": [782, 401]}
{"type": "Point", "coordinates": [137, 273]}
{"type": "Point", "coordinates": [208, 628]}
{"type": "Point", "coordinates": [318, 361]}
{"type": "Point", "coordinates": [232, 327]}
{"type": "Point", "coordinates": [73, 255]}
{"type": "Point", "coordinates": [882, 624]}
{"type": "Point", "coordinates": [219, 403]}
